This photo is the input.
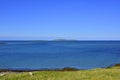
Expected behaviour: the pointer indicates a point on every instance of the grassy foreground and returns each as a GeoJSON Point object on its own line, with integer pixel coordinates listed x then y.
{"type": "Point", "coordinates": [95, 74]}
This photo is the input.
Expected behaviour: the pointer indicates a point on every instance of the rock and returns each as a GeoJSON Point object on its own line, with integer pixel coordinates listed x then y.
{"type": "Point", "coordinates": [117, 65]}
{"type": "Point", "coordinates": [2, 74]}
{"type": "Point", "coordinates": [31, 74]}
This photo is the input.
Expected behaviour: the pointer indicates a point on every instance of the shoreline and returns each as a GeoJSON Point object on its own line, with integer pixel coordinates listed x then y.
{"type": "Point", "coordinates": [45, 69]}
{"type": "Point", "coordinates": [56, 69]}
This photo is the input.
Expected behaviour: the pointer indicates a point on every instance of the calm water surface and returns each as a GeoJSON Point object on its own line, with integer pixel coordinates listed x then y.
{"type": "Point", "coordinates": [58, 54]}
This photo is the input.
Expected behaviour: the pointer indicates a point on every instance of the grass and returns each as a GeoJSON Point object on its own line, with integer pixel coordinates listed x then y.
{"type": "Point", "coordinates": [95, 74]}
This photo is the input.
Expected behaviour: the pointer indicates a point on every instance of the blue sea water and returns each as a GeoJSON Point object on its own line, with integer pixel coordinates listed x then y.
{"type": "Point", "coordinates": [58, 54]}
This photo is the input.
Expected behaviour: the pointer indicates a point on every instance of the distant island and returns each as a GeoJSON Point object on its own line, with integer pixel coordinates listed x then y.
{"type": "Point", "coordinates": [64, 40]}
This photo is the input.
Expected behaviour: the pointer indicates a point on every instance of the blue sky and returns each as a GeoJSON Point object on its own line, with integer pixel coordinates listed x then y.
{"type": "Point", "coordinates": [52, 19]}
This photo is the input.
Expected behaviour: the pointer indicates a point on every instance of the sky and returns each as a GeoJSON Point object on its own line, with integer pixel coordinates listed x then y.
{"type": "Point", "coordinates": [60, 19]}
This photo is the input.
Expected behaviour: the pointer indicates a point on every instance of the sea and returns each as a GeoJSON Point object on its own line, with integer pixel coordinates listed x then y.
{"type": "Point", "coordinates": [58, 54]}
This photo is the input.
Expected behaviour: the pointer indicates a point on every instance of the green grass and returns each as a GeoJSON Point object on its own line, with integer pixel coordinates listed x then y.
{"type": "Point", "coordinates": [95, 74]}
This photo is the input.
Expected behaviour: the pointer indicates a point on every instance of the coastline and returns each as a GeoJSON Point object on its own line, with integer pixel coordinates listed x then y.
{"type": "Point", "coordinates": [45, 69]}
{"type": "Point", "coordinates": [56, 69]}
{"type": "Point", "coordinates": [111, 73]}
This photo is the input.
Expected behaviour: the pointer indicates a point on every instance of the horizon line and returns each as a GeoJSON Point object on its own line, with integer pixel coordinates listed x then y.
{"type": "Point", "coordinates": [59, 40]}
